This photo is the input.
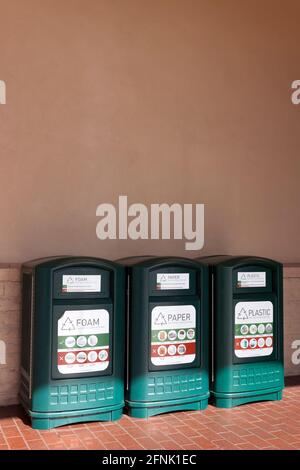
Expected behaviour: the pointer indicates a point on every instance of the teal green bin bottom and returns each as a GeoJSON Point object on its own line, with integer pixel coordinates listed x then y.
{"type": "Point", "coordinates": [147, 409]}
{"type": "Point", "coordinates": [44, 420]}
{"type": "Point", "coordinates": [229, 400]}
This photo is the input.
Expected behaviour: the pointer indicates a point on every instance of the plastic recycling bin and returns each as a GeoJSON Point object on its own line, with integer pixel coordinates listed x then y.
{"type": "Point", "coordinates": [247, 329]}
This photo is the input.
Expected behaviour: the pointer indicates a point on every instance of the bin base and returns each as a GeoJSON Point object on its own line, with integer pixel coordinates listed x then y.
{"type": "Point", "coordinates": [53, 420]}
{"type": "Point", "coordinates": [222, 401]}
{"type": "Point", "coordinates": [147, 409]}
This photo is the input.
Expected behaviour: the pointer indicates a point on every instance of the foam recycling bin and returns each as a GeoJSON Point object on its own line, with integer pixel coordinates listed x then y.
{"type": "Point", "coordinates": [247, 322]}
{"type": "Point", "coordinates": [72, 366]}
{"type": "Point", "coordinates": [167, 339]}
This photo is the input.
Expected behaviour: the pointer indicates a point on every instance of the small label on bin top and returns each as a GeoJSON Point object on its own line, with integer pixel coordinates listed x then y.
{"type": "Point", "coordinates": [81, 283]}
{"type": "Point", "coordinates": [172, 281]}
{"type": "Point", "coordinates": [251, 279]}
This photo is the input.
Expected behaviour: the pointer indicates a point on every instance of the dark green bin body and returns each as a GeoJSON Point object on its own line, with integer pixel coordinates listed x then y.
{"type": "Point", "coordinates": [52, 391]}
{"type": "Point", "coordinates": [158, 388]}
{"type": "Point", "coordinates": [246, 292]}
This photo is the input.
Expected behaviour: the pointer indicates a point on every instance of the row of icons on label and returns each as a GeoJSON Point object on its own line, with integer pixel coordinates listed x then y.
{"type": "Point", "coordinates": [253, 329]}
{"type": "Point", "coordinates": [173, 335]}
{"type": "Point", "coordinates": [82, 357]}
{"type": "Point", "coordinates": [81, 341]}
{"type": "Point", "coordinates": [171, 350]}
{"type": "Point", "coordinates": [254, 343]}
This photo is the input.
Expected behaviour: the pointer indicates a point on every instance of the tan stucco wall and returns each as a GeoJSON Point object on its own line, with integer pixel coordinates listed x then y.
{"type": "Point", "coordinates": [165, 101]}
{"type": "Point", "coordinates": [292, 319]}
{"type": "Point", "coordinates": [10, 333]}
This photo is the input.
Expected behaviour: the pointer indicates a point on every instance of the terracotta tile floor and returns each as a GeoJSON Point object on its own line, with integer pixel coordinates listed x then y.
{"type": "Point", "coordinates": [267, 425]}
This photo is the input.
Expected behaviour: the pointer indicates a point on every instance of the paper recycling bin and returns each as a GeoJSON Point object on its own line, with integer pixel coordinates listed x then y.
{"type": "Point", "coordinates": [247, 330]}
{"type": "Point", "coordinates": [72, 366]}
{"type": "Point", "coordinates": [167, 343]}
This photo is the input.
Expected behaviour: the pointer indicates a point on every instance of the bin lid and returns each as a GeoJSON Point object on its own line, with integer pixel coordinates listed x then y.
{"type": "Point", "coordinates": [150, 261]}
{"type": "Point", "coordinates": [67, 260]}
{"type": "Point", "coordinates": [237, 260]}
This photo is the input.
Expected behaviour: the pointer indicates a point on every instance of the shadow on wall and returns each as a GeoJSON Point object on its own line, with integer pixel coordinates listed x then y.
{"type": "Point", "coordinates": [292, 381]}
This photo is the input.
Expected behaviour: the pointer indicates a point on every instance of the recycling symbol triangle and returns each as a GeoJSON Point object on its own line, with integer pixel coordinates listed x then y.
{"type": "Point", "coordinates": [160, 320]}
{"type": "Point", "coordinates": [242, 315]}
{"type": "Point", "coordinates": [68, 325]}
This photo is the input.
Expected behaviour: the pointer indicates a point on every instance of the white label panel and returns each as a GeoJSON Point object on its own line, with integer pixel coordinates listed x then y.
{"type": "Point", "coordinates": [254, 328]}
{"type": "Point", "coordinates": [81, 283]}
{"type": "Point", "coordinates": [83, 341]}
{"type": "Point", "coordinates": [173, 335]}
{"type": "Point", "coordinates": [171, 281]}
{"type": "Point", "coordinates": [251, 279]}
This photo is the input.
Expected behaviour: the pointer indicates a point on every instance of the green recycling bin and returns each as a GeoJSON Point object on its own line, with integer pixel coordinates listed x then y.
{"type": "Point", "coordinates": [73, 319]}
{"type": "Point", "coordinates": [247, 326]}
{"type": "Point", "coordinates": [167, 352]}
